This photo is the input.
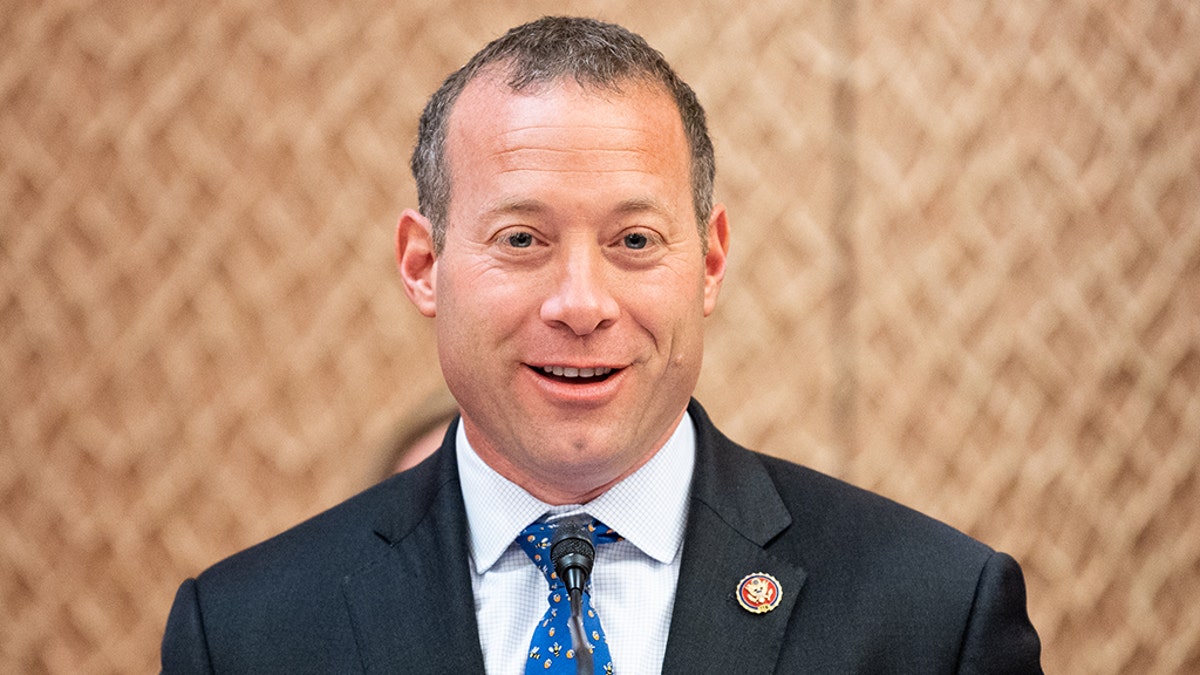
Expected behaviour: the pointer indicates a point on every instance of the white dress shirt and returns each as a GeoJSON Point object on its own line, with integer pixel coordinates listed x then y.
{"type": "Point", "coordinates": [633, 582]}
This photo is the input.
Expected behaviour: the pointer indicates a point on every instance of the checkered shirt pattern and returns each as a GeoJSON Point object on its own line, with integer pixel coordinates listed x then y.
{"type": "Point", "coordinates": [633, 583]}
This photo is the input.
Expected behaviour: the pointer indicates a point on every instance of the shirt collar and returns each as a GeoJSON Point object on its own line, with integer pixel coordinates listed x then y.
{"type": "Point", "coordinates": [648, 508]}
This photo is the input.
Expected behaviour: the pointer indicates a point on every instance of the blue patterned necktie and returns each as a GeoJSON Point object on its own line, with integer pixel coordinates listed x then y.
{"type": "Point", "coordinates": [550, 649]}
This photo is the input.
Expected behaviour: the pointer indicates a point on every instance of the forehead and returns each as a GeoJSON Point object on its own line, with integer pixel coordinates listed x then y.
{"type": "Point", "coordinates": [566, 125]}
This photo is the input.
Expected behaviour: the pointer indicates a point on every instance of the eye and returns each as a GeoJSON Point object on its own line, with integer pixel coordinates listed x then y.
{"type": "Point", "coordinates": [519, 239]}
{"type": "Point", "coordinates": [636, 240]}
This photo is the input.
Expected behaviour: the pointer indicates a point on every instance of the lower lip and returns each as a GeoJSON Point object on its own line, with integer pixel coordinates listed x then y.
{"type": "Point", "coordinates": [591, 393]}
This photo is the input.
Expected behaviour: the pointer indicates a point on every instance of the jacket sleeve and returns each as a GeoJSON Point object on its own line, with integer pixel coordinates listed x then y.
{"type": "Point", "coordinates": [999, 637]}
{"type": "Point", "coordinates": [184, 646]}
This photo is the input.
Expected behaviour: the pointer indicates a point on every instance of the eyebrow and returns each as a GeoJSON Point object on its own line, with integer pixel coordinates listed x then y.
{"type": "Point", "coordinates": [643, 205]}
{"type": "Point", "coordinates": [518, 206]}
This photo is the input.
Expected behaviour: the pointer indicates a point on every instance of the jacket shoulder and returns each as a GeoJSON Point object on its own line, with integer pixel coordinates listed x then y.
{"type": "Point", "coordinates": [287, 590]}
{"type": "Point", "coordinates": [876, 568]}
{"type": "Point", "coordinates": [842, 519]}
{"type": "Point", "coordinates": [329, 540]}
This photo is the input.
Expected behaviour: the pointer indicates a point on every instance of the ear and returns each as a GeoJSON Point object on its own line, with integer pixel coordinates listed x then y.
{"type": "Point", "coordinates": [714, 261]}
{"type": "Point", "coordinates": [416, 261]}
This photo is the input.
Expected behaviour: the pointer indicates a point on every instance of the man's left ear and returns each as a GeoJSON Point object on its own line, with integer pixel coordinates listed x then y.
{"type": "Point", "coordinates": [714, 261]}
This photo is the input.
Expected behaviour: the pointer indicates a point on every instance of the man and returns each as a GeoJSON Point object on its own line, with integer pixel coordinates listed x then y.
{"type": "Point", "coordinates": [568, 248]}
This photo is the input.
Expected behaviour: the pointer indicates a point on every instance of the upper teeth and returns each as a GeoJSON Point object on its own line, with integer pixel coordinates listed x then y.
{"type": "Point", "coordinates": [575, 372]}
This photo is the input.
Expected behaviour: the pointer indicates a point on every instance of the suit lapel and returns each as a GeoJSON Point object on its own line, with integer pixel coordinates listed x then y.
{"type": "Point", "coordinates": [735, 511]}
{"type": "Point", "coordinates": [411, 608]}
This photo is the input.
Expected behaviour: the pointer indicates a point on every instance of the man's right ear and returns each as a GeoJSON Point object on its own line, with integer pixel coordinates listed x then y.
{"type": "Point", "coordinates": [416, 261]}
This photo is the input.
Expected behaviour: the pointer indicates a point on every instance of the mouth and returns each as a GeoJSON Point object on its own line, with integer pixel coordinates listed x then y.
{"type": "Point", "coordinates": [572, 375]}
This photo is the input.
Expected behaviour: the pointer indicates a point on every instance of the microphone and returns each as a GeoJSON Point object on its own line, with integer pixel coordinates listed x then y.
{"type": "Point", "coordinates": [573, 554]}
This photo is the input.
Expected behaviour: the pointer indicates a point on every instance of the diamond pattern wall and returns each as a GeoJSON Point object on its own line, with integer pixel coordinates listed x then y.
{"type": "Point", "coordinates": [965, 273]}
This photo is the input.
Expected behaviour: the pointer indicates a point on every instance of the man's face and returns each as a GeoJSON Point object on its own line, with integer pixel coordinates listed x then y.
{"type": "Point", "coordinates": [572, 288]}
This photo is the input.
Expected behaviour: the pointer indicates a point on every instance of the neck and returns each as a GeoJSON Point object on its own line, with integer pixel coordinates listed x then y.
{"type": "Point", "coordinates": [564, 484]}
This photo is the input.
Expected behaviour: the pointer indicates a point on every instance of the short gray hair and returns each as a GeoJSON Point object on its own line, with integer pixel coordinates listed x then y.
{"type": "Point", "coordinates": [595, 54]}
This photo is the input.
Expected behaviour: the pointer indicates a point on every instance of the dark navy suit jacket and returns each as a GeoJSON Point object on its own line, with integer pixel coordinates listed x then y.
{"type": "Point", "coordinates": [381, 583]}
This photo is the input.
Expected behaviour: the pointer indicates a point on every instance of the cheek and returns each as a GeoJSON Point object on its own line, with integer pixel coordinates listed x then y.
{"type": "Point", "coordinates": [673, 318]}
{"type": "Point", "coordinates": [468, 291]}
{"type": "Point", "coordinates": [462, 317]}
{"type": "Point", "coordinates": [482, 310]}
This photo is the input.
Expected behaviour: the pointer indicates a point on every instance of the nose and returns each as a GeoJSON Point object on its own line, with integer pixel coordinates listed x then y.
{"type": "Point", "coordinates": [581, 301]}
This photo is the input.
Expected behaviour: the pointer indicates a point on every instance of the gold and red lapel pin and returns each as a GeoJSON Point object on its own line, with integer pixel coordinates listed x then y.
{"type": "Point", "coordinates": [759, 593]}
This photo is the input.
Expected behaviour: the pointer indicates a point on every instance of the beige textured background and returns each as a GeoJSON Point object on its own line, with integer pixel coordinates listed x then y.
{"type": "Point", "coordinates": [965, 273]}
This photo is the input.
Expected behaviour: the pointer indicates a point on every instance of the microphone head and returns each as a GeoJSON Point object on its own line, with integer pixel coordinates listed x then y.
{"type": "Point", "coordinates": [572, 552]}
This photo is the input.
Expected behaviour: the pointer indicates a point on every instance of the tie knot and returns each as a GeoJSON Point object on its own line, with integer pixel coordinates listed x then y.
{"type": "Point", "coordinates": [536, 540]}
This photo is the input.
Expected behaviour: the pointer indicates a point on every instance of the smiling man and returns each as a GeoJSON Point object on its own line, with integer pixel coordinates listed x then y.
{"type": "Point", "coordinates": [572, 282]}
{"type": "Point", "coordinates": [568, 250]}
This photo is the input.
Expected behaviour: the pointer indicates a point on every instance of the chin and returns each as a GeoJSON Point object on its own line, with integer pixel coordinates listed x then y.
{"type": "Point", "coordinates": [603, 458]}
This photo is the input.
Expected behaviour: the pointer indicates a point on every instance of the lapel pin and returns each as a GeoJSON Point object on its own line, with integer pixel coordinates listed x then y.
{"type": "Point", "coordinates": [759, 593]}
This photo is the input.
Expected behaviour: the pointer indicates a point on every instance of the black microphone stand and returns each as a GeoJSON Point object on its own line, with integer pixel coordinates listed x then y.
{"type": "Point", "coordinates": [573, 554]}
